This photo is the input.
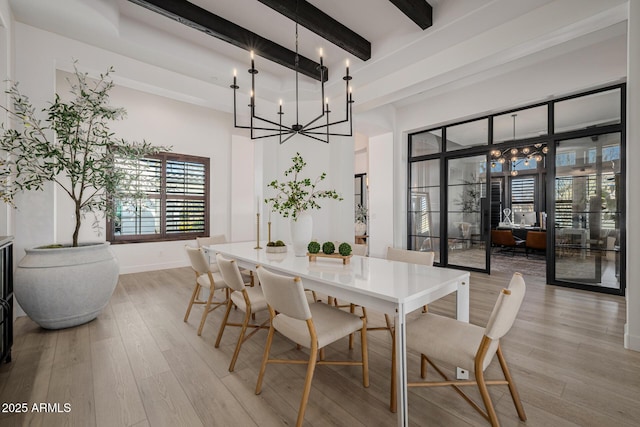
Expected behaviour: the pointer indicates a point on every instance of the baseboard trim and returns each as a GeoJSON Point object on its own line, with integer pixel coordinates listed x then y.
{"type": "Point", "coordinates": [153, 267]}
{"type": "Point", "coordinates": [631, 342]}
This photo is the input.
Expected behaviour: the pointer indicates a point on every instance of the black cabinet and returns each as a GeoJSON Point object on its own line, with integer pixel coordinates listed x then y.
{"type": "Point", "coordinates": [6, 298]}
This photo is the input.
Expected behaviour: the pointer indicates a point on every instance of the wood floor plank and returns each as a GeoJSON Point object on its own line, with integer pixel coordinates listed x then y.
{"type": "Point", "coordinates": [112, 376]}
{"type": "Point", "coordinates": [166, 403]}
{"type": "Point", "coordinates": [144, 355]}
{"type": "Point", "coordinates": [71, 380]}
{"type": "Point", "coordinates": [212, 401]}
{"type": "Point", "coordinates": [565, 352]}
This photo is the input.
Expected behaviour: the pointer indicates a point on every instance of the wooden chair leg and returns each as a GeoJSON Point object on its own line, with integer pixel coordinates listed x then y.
{"type": "Point", "coordinates": [352, 308]}
{"type": "Point", "coordinates": [243, 331]}
{"type": "Point", "coordinates": [389, 323]}
{"type": "Point", "coordinates": [194, 294]}
{"type": "Point", "coordinates": [365, 353]}
{"type": "Point", "coordinates": [307, 384]}
{"type": "Point", "coordinates": [486, 398]}
{"type": "Point", "coordinates": [512, 386]}
{"type": "Point", "coordinates": [224, 324]}
{"type": "Point", "coordinates": [265, 359]}
{"type": "Point", "coordinates": [206, 311]}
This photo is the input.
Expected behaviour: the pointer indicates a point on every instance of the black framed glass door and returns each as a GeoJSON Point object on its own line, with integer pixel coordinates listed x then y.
{"type": "Point", "coordinates": [587, 212]}
{"type": "Point", "coordinates": [467, 212]}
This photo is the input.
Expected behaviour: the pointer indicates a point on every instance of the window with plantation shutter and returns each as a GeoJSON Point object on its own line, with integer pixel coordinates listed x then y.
{"type": "Point", "coordinates": [175, 205]}
{"type": "Point", "coordinates": [523, 191]}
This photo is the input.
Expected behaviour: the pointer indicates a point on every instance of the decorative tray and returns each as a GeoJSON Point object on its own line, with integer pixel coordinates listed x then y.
{"type": "Point", "coordinates": [345, 259]}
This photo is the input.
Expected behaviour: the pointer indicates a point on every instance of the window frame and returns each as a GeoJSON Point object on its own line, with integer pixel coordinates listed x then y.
{"type": "Point", "coordinates": [163, 236]}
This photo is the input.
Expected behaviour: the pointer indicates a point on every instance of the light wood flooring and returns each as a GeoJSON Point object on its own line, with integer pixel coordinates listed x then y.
{"type": "Point", "coordinates": [139, 364]}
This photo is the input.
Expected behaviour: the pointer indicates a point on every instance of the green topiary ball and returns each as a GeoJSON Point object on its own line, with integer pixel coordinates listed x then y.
{"type": "Point", "coordinates": [313, 247]}
{"type": "Point", "coordinates": [328, 248]}
{"type": "Point", "coordinates": [279, 243]}
{"type": "Point", "coordinates": [344, 249]}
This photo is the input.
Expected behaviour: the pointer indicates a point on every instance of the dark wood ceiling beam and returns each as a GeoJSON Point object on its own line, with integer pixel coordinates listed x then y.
{"type": "Point", "coordinates": [209, 23]}
{"type": "Point", "coordinates": [323, 25]}
{"type": "Point", "coordinates": [419, 11]}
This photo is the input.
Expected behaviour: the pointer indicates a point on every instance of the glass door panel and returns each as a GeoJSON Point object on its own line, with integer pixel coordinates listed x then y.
{"type": "Point", "coordinates": [467, 207]}
{"type": "Point", "coordinates": [587, 211]}
{"type": "Point", "coordinates": [424, 208]}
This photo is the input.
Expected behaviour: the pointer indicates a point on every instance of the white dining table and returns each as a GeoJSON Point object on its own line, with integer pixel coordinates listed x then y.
{"type": "Point", "coordinates": [391, 287]}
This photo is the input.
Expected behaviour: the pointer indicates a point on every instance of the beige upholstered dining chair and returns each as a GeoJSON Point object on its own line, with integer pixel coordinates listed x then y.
{"type": "Point", "coordinates": [413, 257]}
{"type": "Point", "coordinates": [249, 300]}
{"type": "Point", "coordinates": [313, 326]}
{"type": "Point", "coordinates": [470, 347]}
{"type": "Point", "coordinates": [247, 275]}
{"type": "Point", "coordinates": [403, 255]}
{"type": "Point", "coordinates": [205, 278]}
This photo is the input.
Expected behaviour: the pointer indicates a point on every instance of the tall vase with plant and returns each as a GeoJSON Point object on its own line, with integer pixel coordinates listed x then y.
{"type": "Point", "coordinates": [295, 197]}
{"type": "Point", "coordinates": [73, 147]}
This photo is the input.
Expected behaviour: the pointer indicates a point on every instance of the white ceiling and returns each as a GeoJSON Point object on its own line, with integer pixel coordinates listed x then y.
{"type": "Point", "coordinates": [470, 40]}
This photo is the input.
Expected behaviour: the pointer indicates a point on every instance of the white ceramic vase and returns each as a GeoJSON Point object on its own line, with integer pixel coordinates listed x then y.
{"type": "Point", "coordinates": [360, 228]}
{"type": "Point", "coordinates": [64, 287]}
{"type": "Point", "coordinates": [301, 231]}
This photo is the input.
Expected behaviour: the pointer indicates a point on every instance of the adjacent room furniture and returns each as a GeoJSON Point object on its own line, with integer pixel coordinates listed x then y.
{"type": "Point", "coordinates": [391, 287]}
{"type": "Point", "coordinates": [312, 326]}
{"type": "Point", "coordinates": [443, 339]}
{"type": "Point", "coordinates": [569, 236]}
{"type": "Point", "coordinates": [6, 298]}
{"type": "Point", "coordinates": [249, 300]}
{"type": "Point", "coordinates": [536, 241]}
{"type": "Point", "coordinates": [205, 278]}
{"type": "Point", "coordinates": [506, 240]}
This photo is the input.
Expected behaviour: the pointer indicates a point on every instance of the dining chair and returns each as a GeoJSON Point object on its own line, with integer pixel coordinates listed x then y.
{"type": "Point", "coordinates": [413, 257]}
{"type": "Point", "coordinates": [205, 278]}
{"type": "Point", "coordinates": [313, 326]}
{"type": "Point", "coordinates": [249, 300]}
{"type": "Point", "coordinates": [393, 254]}
{"type": "Point", "coordinates": [216, 240]}
{"type": "Point", "coordinates": [471, 347]}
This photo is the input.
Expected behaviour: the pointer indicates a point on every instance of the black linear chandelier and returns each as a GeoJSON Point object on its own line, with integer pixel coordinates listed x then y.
{"type": "Point", "coordinates": [318, 128]}
{"type": "Point", "coordinates": [518, 155]}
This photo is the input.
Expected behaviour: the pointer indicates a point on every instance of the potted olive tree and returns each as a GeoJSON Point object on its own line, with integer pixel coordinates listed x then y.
{"type": "Point", "coordinates": [295, 197]}
{"type": "Point", "coordinates": [62, 285]}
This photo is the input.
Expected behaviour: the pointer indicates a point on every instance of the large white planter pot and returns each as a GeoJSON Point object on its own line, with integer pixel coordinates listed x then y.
{"type": "Point", "coordinates": [64, 287]}
{"type": "Point", "coordinates": [301, 230]}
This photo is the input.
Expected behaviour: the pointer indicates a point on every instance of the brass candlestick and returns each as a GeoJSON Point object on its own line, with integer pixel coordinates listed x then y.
{"type": "Point", "coordinates": [258, 232]}
{"type": "Point", "coordinates": [269, 230]}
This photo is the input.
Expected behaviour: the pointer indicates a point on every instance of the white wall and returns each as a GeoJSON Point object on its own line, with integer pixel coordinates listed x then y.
{"type": "Point", "coordinates": [381, 194]}
{"type": "Point", "coordinates": [334, 221]}
{"type": "Point", "coordinates": [632, 328]}
{"type": "Point", "coordinates": [361, 147]}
